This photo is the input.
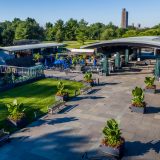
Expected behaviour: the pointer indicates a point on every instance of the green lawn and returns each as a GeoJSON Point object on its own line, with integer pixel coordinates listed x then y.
{"type": "Point", "coordinates": [36, 96]}
{"type": "Point", "coordinates": [75, 44]}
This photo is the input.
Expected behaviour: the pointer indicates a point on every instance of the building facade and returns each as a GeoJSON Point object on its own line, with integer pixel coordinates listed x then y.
{"type": "Point", "coordinates": [124, 20]}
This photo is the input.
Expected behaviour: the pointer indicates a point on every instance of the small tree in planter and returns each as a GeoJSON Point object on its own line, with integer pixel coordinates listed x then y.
{"type": "Point", "coordinates": [138, 104]}
{"type": "Point", "coordinates": [61, 95]}
{"type": "Point", "coordinates": [37, 58]}
{"type": "Point", "coordinates": [112, 144]}
{"type": "Point", "coordinates": [74, 61]}
{"type": "Point", "coordinates": [88, 78]}
{"type": "Point", "coordinates": [150, 87]}
{"type": "Point", "coordinates": [16, 114]}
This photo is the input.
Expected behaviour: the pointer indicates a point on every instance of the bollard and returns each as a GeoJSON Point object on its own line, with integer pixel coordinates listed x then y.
{"type": "Point", "coordinates": [75, 93]}
{"type": "Point", "coordinates": [98, 81]}
{"type": "Point", "coordinates": [35, 115]}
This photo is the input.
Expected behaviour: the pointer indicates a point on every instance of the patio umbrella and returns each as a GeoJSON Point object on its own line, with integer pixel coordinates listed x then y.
{"type": "Point", "coordinates": [57, 62]}
{"type": "Point", "coordinates": [94, 62]}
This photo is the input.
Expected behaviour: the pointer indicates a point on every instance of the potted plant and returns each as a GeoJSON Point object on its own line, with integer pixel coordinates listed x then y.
{"type": "Point", "coordinates": [74, 61]}
{"type": "Point", "coordinates": [61, 94]}
{"type": "Point", "coordinates": [113, 143]}
{"type": "Point", "coordinates": [16, 116]}
{"type": "Point", "coordinates": [37, 58]}
{"type": "Point", "coordinates": [150, 87]}
{"type": "Point", "coordinates": [138, 104]}
{"type": "Point", "coordinates": [88, 78]}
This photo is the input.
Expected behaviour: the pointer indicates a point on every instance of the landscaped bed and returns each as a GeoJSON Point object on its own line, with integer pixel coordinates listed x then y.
{"type": "Point", "coordinates": [36, 97]}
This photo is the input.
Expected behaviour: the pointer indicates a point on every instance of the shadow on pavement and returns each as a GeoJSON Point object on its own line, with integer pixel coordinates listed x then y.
{"type": "Point", "coordinates": [138, 148]}
{"type": "Point", "coordinates": [151, 110]}
{"type": "Point", "coordinates": [65, 144]}
{"type": "Point", "coordinates": [87, 97]}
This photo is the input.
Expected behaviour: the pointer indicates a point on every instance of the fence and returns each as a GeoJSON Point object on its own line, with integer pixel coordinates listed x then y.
{"type": "Point", "coordinates": [13, 76]}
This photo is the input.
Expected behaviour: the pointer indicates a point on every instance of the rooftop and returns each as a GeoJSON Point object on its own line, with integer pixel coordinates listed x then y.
{"type": "Point", "coordinates": [145, 40]}
{"type": "Point", "coordinates": [31, 46]}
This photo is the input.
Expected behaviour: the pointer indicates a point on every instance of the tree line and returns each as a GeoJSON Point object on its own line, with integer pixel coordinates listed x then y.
{"type": "Point", "coordinates": [70, 30]}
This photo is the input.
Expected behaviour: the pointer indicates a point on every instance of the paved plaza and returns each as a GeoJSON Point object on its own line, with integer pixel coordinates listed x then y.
{"type": "Point", "coordinates": [78, 128]}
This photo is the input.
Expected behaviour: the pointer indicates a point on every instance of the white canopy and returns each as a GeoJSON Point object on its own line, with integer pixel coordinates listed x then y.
{"type": "Point", "coordinates": [81, 51]}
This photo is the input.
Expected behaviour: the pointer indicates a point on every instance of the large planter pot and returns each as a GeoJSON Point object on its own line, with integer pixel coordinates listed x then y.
{"type": "Point", "coordinates": [38, 63]}
{"type": "Point", "coordinates": [4, 138]}
{"type": "Point", "coordinates": [89, 83]}
{"type": "Point", "coordinates": [150, 90]}
{"type": "Point", "coordinates": [20, 123]}
{"type": "Point", "coordinates": [62, 98]}
{"type": "Point", "coordinates": [115, 152]}
{"type": "Point", "coordinates": [78, 68]}
{"type": "Point", "coordinates": [138, 109]}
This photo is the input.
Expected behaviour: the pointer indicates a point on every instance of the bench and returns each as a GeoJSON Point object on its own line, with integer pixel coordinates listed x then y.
{"type": "Point", "coordinates": [86, 90]}
{"type": "Point", "coordinates": [140, 63]}
{"type": "Point", "coordinates": [97, 156]}
{"type": "Point", "coordinates": [55, 108]}
{"type": "Point", "coordinates": [4, 136]}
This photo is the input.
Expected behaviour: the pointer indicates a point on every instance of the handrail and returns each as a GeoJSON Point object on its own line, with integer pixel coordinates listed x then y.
{"type": "Point", "coordinates": [18, 67]}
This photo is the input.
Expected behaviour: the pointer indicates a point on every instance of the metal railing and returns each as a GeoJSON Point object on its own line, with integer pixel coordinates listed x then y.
{"type": "Point", "coordinates": [13, 75]}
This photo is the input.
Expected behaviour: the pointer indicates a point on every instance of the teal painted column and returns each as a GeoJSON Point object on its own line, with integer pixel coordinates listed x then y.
{"type": "Point", "coordinates": [126, 56]}
{"type": "Point", "coordinates": [157, 68]}
{"type": "Point", "coordinates": [118, 61]}
{"type": "Point", "coordinates": [106, 66]}
{"type": "Point", "coordinates": [59, 50]}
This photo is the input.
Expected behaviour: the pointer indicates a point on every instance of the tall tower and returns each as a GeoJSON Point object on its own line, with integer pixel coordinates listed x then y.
{"type": "Point", "coordinates": [124, 20]}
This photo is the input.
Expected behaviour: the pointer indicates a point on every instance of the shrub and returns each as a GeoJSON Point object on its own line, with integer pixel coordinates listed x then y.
{"type": "Point", "coordinates": [60, 88]}
{"type": "Point", "coordinates": [74, 60]}
{"type": "Point", "coordinates": [88, 77]}
{"type": "Point", "coordinates": [138, 97]}
{"type": "Point", "coordinates": [16, 110]}
{"type": "Point", "coordinates": [37, 57]}
{"type": "Point", "coordinates": [149, 81]}
{"type": "Point", "coordinates": [112, 134]}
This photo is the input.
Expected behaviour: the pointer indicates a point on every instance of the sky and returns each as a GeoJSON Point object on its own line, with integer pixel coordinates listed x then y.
{"type": "Point", "coordinates": [145, 12]}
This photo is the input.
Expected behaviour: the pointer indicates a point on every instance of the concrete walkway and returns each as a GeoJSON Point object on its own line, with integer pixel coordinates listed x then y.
{"type": "Point", "coordinates": [78, 128]}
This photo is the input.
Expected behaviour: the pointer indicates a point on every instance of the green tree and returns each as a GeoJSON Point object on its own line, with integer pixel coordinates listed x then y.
{"type": "Point", "coordinates": [29, 29]}
{"type": "Point", "coordinates": [6, 33]}
{"type": "Point", "coordinates": [1, 35]}
{"type": "Point", "coordinates": [81, 36]}
{"type": "Point", "coordinates": [71, 27]}
{"type": "Point", "coordinates": [15, 23]}
{"type": "Point", "coordinates": [82, 32]}
{"type": "Point", "coordinates": [7, 36]}
{"type": "Point", "coordinates": [59, 25]}
{"type": "Point", "coordinates": [120, 32]}
{"type": "Point", "coordinates": [50, 32]}
{"type": "Point", "coordinates": [111, 25]}
{"type": "Point", "coordinates": [48, 25]}
{"type": "Point", "coordinates": [150, 32]}
{"type": "Point", "coordinates": [59, 37]}
{"type": "Point", "coordinates": [108, 34]}
{"type": "Point", "coordinates": [59, 31]}
{"type": "Point", "coordinates": [131, 33]}
{"type": "Point", "coordinates": [95, 31]}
